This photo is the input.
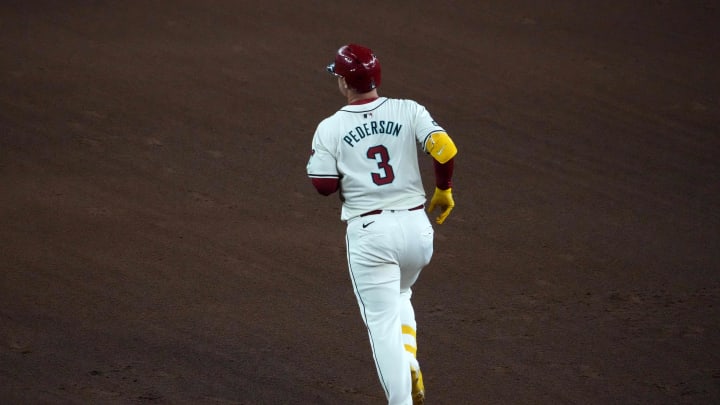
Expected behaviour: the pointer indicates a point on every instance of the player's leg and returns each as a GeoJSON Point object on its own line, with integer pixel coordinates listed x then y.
{"type": "Point", "coordinates": [409, 336]}
{"type": "Point", "coordinates": [409, 327]}
{"type": "Point", "coordinates": [415, 255]}
{"type": "Point", "coordinates": [376, 280]}
{"type": "Point", "coordinates": [380, 308]}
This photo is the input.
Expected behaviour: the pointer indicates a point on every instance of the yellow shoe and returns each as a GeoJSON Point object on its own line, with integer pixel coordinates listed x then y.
{"type": "Point", "coordinates": [418, 388]}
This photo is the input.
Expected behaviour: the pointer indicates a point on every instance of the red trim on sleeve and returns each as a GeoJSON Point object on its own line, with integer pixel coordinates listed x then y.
{"type": "Point", "coordinates": [444, 173]}
{"type": "Point", "coordinates": [326, 186]}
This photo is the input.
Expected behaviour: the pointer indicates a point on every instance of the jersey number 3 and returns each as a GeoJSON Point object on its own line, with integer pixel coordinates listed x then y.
{"type": "Point", "coordinates": [380, 154]}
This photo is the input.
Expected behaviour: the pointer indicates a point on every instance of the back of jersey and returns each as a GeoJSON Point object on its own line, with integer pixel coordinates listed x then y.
{"type": "Point", "coordinates": [373, 149]}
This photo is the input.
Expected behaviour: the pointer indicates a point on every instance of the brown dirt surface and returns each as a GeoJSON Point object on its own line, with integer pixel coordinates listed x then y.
{"type": "Point", "coordinates": [161, 243]}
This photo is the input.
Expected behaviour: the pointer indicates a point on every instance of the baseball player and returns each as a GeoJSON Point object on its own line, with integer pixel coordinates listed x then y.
{"type": "Point", "coordinates": [368, 151]}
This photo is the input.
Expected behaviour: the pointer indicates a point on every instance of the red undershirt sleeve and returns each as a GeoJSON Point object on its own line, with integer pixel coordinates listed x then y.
{"type": "Point", "coordinates": [444, 173]}
{"type": "Point", "coordinates": [325, 186]}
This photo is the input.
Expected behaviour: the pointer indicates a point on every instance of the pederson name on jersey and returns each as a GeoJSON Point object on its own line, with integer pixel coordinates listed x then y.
{"type": "Point", "coordinates": [372, 128]}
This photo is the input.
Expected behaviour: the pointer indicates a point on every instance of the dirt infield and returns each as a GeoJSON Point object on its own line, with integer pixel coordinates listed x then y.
{"type": "Point", "coordinates": [161, 243]}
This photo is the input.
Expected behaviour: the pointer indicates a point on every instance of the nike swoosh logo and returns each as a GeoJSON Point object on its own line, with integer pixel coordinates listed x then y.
{"type": "Point", "coordinates": [368, 224]}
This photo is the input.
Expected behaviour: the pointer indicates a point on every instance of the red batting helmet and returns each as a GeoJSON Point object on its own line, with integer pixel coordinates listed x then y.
{"type": "Point", "coordinates": [358, 65]}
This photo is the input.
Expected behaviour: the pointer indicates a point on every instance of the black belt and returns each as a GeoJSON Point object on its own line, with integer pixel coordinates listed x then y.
{"type": "Point", "coordinates": [375, 212]}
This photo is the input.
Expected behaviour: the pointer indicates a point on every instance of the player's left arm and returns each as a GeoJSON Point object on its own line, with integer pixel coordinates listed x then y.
{"type": "Point", "coordinates": [443, 150]}
{"type": "Point", "coordinates": [322, 168]}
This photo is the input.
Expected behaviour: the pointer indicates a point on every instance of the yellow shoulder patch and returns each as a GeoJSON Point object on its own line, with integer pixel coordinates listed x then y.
{"type": "Point", "coordinates": [440, 147]}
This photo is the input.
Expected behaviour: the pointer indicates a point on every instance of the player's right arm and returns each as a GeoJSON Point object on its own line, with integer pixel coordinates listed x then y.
{"type": "Point", "coordinates": [440, 146]}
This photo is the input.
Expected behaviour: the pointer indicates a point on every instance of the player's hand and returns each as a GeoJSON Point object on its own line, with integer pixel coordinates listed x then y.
{"type": "Point", "coordinates": [442, 199]}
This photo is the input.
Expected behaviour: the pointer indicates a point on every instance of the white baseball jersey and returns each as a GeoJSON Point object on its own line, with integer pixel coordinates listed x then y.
{"type": "Point", "coordinates": [372, 149]}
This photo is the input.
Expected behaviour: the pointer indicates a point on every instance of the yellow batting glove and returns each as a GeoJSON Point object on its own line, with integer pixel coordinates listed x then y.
{"type": "Point", "coordinates": [444, 200]}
